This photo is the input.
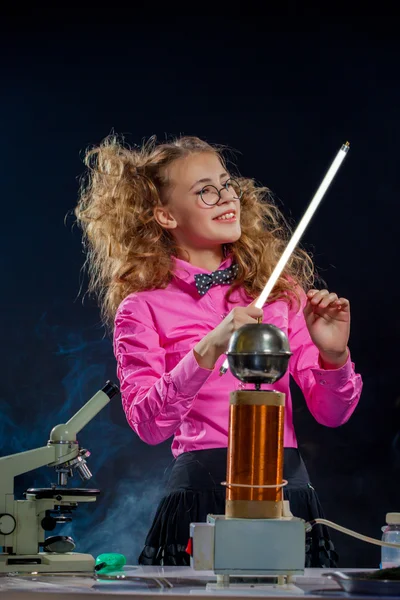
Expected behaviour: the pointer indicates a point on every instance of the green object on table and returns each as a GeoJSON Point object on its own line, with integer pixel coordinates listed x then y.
{"type": "Point", "coordinates": [109, 562]}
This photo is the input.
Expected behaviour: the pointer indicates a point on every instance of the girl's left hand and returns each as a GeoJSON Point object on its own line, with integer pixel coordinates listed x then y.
{"type": "Point", "coordinates": [328, 321]}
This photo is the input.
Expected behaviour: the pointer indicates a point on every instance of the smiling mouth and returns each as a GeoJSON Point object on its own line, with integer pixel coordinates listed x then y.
{"type": "Point", "coordinates": [226, 217]}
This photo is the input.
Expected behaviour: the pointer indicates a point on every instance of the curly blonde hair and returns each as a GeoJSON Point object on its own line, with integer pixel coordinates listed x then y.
{"type": "Point", "coordinates": [128, 251]}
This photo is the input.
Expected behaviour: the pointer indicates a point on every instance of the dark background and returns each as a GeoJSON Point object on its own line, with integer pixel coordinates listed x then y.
{"type": "Point", "coordinates": [286, 95]}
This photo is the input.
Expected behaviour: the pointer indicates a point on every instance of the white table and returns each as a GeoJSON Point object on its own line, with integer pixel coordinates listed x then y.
{"type": "Point", "coordinates": [152, 582]}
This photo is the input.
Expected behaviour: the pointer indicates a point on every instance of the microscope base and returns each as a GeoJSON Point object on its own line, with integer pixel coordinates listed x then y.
{"type": "Point", "coordinates": [46, 562]}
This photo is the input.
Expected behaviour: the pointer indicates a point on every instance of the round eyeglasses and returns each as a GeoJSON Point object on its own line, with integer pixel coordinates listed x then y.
{"type": "Point", "coordinates": [212, 195]}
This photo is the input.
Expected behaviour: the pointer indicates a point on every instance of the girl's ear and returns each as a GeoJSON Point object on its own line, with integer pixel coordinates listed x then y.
{"type": "Point", "coordinates": [164, 218]}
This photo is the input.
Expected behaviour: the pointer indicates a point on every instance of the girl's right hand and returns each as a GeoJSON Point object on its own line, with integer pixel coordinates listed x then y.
{"type": "Point", "coordinates": [215, 343]}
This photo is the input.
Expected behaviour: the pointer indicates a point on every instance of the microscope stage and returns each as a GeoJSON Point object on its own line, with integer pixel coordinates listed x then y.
{"type": "Point", "coordinates": [59, 491]}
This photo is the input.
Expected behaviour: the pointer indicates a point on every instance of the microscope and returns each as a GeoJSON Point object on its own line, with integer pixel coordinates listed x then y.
{"type": "Point", "coordinates": [257, 535]}
{"type": "Point", "coordinates": [23, 523]}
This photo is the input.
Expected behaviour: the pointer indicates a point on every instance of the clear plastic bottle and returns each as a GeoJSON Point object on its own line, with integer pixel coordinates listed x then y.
{"type": "Point", "coordinates": [390, 557]}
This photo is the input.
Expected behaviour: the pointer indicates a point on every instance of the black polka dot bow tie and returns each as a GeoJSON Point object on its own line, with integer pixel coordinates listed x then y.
{"type": "Point", "coordinates": [205, 281]}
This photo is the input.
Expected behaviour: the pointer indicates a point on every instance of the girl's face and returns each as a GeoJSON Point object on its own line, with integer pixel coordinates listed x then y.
{"type": "Point", "coordinates": [194, 222]}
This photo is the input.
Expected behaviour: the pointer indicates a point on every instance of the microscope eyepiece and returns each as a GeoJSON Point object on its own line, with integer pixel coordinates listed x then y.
{"type": "Point", "coordinates": [110, 389]}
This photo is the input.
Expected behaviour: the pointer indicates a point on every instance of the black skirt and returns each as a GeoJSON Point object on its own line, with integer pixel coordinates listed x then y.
{"type": "Point", "coordinates": [194, 490]}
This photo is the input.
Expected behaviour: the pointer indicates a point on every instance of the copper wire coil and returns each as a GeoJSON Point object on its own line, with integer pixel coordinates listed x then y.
{"type": "Point", "coordinates": [255, 448]}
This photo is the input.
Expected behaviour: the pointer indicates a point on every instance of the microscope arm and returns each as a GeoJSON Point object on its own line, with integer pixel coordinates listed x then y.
{"type": "Point", "coordinates": [23, 462]}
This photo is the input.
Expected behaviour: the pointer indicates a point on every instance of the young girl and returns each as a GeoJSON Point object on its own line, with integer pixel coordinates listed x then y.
{"type": "Point", "coordinates": [178, 248]}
